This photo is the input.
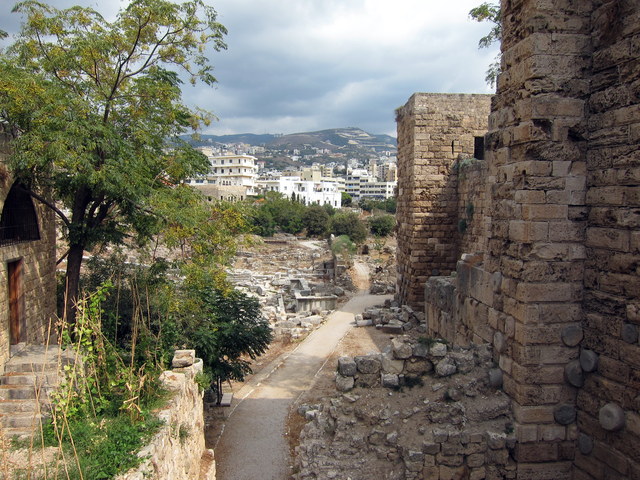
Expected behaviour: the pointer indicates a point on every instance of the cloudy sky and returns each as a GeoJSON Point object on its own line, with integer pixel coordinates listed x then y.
{"type": "Point", "coordinates": [303, 65]}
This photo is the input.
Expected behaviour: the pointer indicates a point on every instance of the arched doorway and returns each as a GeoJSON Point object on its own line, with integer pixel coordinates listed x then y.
{"type": "Point", "coordinates": [18, 224]}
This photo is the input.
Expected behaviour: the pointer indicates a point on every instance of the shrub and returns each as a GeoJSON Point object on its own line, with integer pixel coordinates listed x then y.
{"type": "Point", "coordinates": [382, 225]}
{"type": "Point", "coordinates": [316, 221]}
{"type": "Point", "coordinates": [349, 224]}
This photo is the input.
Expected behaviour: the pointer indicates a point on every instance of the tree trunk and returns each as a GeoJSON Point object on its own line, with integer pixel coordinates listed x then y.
{"type": "Point", "coordinates": [72, 283]}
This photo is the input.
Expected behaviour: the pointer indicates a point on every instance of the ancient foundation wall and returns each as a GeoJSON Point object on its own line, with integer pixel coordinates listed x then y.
{"type": "Point", "coordinates": [556, 290]}
{"type": "Point", "coordinates": [435, 133]}
{"type": "Point", "coordinates": [177, 451]}
{"type": "Point", "coordinates": [38, 279]}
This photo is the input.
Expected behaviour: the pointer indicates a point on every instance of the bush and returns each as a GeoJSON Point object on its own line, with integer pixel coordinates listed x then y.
{"type": "Point", "coordinates": [343, 248]}
{"type": "Point", "coordinates": [316, 221]}
{"type": "Point", "coordinates": [382, 225]}
{"type": "Point", "coordinates": [349, 224]}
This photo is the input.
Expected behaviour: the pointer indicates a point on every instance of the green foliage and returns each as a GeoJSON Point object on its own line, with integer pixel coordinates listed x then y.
{"type": "Point", "coordinates": [346, 199]}
{"type": "Point", "coordinates": [103, 447]}
{"type": "Point", "coordinates": [316, 221]}
{"type": "Point", "coordinates": [382, 225]}
{"type": "Point", "coordinates": [370, 204]}
{"type": "Point", "coordinates": [491, 13]}
{"type": "Point", "coordinates": [349, 224]}
{"type": "Point", "coordinates": [229, 328]}
{"type": "Point", "coordinates": [343, 248]}
{"type": "Point", "coordinates": [99, 110]}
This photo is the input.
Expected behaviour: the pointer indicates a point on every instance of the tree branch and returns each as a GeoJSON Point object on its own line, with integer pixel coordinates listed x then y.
{"type": "Point", "coordinates": [49, 204]}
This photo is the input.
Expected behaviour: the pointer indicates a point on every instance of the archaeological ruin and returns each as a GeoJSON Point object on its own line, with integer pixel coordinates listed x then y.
{"type": "Point", "coordinates": [535, 248]}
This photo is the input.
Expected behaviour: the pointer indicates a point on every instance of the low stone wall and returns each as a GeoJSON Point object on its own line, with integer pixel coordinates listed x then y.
{"type": "Point", "coordinates": [177, 451]}
{"type": "Point", "coordinates": [417, 410]}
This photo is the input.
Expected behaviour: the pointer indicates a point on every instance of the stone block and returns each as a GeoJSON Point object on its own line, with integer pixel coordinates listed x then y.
{"type": "Point", "coordinates": [368, 364]}
{"type": "Point", "coordinates": [183, 358]}
{"type": "Point", "coordinates": [344, 384]}
{"type": "Point", "coordinates": [347, 366]}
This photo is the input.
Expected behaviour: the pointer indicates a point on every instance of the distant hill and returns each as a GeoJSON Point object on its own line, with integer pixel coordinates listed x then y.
{"type": "Point", "coordinates": [335, 140]}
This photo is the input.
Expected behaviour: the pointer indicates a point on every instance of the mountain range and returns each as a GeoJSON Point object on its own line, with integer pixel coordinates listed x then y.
{"type": "Point", "coordinates": [334, 140]}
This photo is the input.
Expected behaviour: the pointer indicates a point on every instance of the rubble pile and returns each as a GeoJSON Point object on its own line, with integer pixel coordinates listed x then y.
{"type": "Point", "coordinates": [393, 318]}
{"type": "Point", "coordinates": [417, 410]}
{"type": "Point", "coordinates": [297, 301]}
{"type": "Point", "coordinates": [383, 272]}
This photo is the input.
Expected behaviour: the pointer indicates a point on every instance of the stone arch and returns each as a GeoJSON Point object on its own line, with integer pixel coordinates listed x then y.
{"type": "Point", "coordinates": [19, 220]}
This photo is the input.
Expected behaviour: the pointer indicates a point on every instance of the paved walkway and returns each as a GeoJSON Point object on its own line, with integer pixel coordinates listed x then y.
{"type": "Point", "coordinates": [253, 445]}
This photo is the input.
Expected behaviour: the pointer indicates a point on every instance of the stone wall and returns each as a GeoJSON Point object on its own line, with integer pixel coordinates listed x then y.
{"type": "Point", "coordinates": [611, 297]}
{"type": "Point", "coordinates": [177, 451]}
{"type": "Point", "coordinates": [435, 131]}
{"type": "Point", "coordinates": [556, 289]}
{"type": "Point", "coordinates": [38, 256]}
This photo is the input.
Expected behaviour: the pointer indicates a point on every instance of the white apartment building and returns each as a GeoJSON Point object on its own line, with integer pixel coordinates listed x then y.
{"type": "Point", "coordinates": [305, 191]}
{"type": "Point", "coordinates": [238, 172]}
{"type": "Point", "coordinates": [359, 183]}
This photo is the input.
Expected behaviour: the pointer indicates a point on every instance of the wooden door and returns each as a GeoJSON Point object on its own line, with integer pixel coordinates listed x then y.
{"type": "Point", "coordinates": [17, 326]}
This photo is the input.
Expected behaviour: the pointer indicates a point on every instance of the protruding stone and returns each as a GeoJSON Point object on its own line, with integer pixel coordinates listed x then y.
{"type": "Point", "coordinates": [438, 349]}
{"type": "Point", "coordinates": [446, 367]}
{"type": "Point", "coordinates": [611, 417]}
{"type": "Point", "coordinates": [495, 377]}
{"type": "Point", "coordinates": [573, 374]}
{"type": "Point", "coordinates": [499, 342]}
{"type": "Point", "coordinates": [572, 335]}
{"type": "Point", "coordinates": [585, 444]}
{"type": "Point", "coordinates": [565, 414]}
{"type": "Point", "coordinates": [588, 360]}
{"type": "Point", "coordinates": [344, 384]}
{"type": "Point", "coordinates": [629, 333]}
{"type": "Point", "coordinates": [347, 366]}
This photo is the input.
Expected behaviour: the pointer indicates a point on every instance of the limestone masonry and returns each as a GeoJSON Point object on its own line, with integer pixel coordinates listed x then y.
{"type": "Point", "coordinates": [543, 234]}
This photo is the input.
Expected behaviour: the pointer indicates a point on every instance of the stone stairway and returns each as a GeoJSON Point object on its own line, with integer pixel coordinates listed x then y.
{"type": "Point", "coordinates": [29, 376]}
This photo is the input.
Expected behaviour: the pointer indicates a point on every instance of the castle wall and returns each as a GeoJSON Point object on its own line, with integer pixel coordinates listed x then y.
{"type": "Point", "coordinates": [612, 281]}
{"type": "Point", "coordinates": [435, 131]}
{"type": "Point", "coordinates": [39, 270]}
{"type": "Point", "coordinates": [553, 285]}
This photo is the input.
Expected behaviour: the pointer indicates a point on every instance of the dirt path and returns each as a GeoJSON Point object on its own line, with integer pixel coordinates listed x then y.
{"type": "Point", "coordinates": [254, 444]}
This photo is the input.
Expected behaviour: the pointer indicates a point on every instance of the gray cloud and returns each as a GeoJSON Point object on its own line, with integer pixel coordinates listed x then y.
{"type": "Point", "coordinates": [298, 65]}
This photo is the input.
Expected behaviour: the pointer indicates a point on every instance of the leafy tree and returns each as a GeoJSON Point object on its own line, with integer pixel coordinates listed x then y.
{"type": "Point", "coordinates": [316, 220]}
{"type": "Point", "coordinates": [96, 111]}
{"type": "Point", "coordinates": [263, 222]}
{"type": "Point", "coordinates": [382, 225]}
{"type": "Point", "coordinates": [489, 12]}
{"type": "Point", "coordinates": [346, 199]}
{"type": "Point", "coordinates": [349, 224]}
{"type": "Point", "coordinates": [231, 328]}
{"type": "Point", "coordinates": [286, 214]}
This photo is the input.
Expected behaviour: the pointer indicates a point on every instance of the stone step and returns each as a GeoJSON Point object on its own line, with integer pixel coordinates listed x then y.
{"type": "Point", "coordinates": [23, 392]}
{"type": "Point", "coordinates": [23, 406]}
{"type": "Point", "coordinates": [21, 420]}
{"type": "Point", "coordinates": [24, 378]}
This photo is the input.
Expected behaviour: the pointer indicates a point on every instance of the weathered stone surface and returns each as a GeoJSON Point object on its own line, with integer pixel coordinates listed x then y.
{"type": "Point", "coordinates": [496, 377]}
{"type": "Point", "coordinates": [446, 367]}
{"type": "Point", "coordinates": [611, 417]}
{"type": "Point", "coordinates": [347, 366]}
{"type": "Point", "coordinates": [573, 374]}
{"type": "Point", "coordinates": [368, 364]}
{"type": "Point", "coordinates": [390, 380]}
{"type": "Point", "coordinates": [629, 333]}
{"type": "Point", "coordinates": [565, 414]}
{"type": "Point", "coordinates": [344, 384]}
{"type": "Point", "coordinates": [183, 358]}
{"type": "Point", "coordinates": [585, 444]}
{"type": "Point", "coordinates": [401, 348]}
{"type": "Point", "coordinates": [391, 364]}
{"type": "Point", "coordinates": [588, 360]}
{"type": "Point", "coordinates": [438, 349]}
{"type": "Point", "coordinates": [572, 335]}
